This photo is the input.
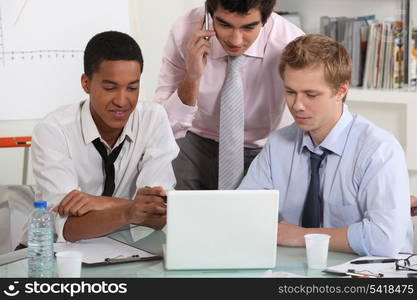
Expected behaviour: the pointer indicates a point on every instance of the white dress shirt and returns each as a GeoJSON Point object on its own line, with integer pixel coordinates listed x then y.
{"type": "Point", "coordinates": [64, 157]}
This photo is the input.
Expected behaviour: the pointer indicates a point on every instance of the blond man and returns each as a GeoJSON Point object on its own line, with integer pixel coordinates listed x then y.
{"type": "Point", "coordinates": [337, 173]}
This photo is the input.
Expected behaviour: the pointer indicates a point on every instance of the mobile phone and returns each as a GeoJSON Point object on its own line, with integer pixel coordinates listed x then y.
{"type": "Point", "coordinates": [206, 20]}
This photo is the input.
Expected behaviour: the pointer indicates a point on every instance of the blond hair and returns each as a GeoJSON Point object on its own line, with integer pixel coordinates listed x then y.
{"type": "Point", "coordinates": [318, 50]}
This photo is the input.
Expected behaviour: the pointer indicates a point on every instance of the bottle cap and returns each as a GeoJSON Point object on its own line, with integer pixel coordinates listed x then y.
{"type": "Point", "coordinates": [40, 204]}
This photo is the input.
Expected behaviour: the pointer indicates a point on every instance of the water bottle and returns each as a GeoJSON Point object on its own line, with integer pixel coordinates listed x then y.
{"type": "Point", "coordinates": [40, 242]}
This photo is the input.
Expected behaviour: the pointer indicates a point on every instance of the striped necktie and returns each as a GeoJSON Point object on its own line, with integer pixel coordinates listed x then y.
{"type": "Point", "coordinates": [231, 134]}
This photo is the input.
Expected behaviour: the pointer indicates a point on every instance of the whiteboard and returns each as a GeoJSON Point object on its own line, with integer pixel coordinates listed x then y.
{"type": "Point", "coordinates": [41, 51]}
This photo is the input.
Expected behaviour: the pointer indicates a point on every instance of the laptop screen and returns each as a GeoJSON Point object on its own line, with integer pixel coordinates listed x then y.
{"type": "Point", "coordinates": [221, 229]}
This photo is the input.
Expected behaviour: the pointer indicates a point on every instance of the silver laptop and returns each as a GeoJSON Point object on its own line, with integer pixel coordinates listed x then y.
{"type": "Point", "coordinates": [221, 229]}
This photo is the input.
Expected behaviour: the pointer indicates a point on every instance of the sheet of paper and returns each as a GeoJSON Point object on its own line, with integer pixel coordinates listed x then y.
{"type": "Point", "coordinates": [98, 249]}
{"type": "Point", "coordinates": [151, 242]}
{"type": "Point", "coordinates": [281, 274]}
{"type": "Point", "coordinates": [388, 269]}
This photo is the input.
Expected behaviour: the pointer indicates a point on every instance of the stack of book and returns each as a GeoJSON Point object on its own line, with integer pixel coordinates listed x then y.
{"type": "Point", "coordinates": [353, 34]}
{"type": "Point", "coordinates": [384, 54]}
{"type": "Point", "coordinates": [385, 66]}
{"type": "Point", "coordinates": [377, 49]}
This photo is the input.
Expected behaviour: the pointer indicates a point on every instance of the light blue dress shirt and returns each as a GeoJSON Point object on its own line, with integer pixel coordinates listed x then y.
{"type": "Point", "coordinates": [363, 180]}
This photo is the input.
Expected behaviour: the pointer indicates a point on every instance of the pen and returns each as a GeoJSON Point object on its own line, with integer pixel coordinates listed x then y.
{"type": "Point", "coordinates": [164, 198]}
{"type": "Point", "coordinates": [373, 261]}
{"type": "Point", "coordinates": [123, 259]}
{"type": "Point", "coordinates": [361, 274]}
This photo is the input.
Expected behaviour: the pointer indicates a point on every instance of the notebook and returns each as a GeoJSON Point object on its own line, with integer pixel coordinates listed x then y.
{"type": "Point", "coordinates": [221, 229]}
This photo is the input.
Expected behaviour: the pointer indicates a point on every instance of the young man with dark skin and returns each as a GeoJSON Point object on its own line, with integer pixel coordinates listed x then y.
{"type": "Point", "coordinates": [194, 79]}
{"type": "Point", "coordinates": [336, 172]}
{"type": "Point", "coordinates": [103, 163]}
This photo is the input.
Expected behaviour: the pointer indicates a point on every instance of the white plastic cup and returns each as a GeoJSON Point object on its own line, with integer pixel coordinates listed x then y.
{"type": "Point", "coordinates": [317, 246]}
{"type": "Point", "coordinates": [69, 263]}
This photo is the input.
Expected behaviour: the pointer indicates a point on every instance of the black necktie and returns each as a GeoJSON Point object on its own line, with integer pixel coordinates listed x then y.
{"type": "Point", "coordinates": [108, 161]}
{"type": "Point", "coordinates": [313, 207]}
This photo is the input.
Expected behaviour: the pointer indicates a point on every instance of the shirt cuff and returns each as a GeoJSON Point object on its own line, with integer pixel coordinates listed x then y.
{"type": "Point", "coordinates": [178, 111]}
{"type": "Point", "coordinates": [356, 240]}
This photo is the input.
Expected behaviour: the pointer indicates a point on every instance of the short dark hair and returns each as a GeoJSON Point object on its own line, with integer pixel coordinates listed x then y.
{"type": "Point", "coordinates": [243, 6]}
{"type": "Point", "coordinates": [110, 45]}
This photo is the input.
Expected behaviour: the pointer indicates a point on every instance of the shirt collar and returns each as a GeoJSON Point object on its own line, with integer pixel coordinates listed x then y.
{"type": "Point", "coordinates": [257, 49]}
{"type": "Point", "coordinates": [335, 141]}
{"type": "Point", "coordinates": [90, 131]}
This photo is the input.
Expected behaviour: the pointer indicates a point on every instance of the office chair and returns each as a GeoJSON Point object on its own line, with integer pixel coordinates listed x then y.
{"type": "Point", "coordinates": [19, 142]}
{"type": "Point", "coordinates": [16, 203]}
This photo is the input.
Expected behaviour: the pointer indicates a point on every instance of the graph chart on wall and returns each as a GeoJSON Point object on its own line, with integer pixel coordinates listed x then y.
{"type": "Point", "coordinates": [41, 51]}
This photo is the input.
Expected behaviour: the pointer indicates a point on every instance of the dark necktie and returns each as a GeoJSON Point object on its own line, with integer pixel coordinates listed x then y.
{"type": "Point", "coordinates": [108, 161]}
{"type": "Point", "coordinates": [313, 207]}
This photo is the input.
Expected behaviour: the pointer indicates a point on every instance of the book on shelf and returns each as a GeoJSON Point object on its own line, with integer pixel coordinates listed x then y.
{"type": "Point", "coordinates": [352, 33]}
{"type": "Point", "coordinates": [413, 60]}
{"type": "Point", "coordinates": [399, 55]}
{"type": "Point", "coordinates": [369, 63]}
{"type": "Point", "coordinates": [378, 50]}
{"type": "Point", "coordinates": [412, 44]}
{"type": "Point", "coordinates": [380, 43]}
{"type": "Point", "coordinates": [405, 20]}
{"type": "Point", "coordinates": [388, 58]}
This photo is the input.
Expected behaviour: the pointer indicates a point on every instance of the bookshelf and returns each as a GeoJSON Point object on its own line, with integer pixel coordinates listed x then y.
{"type": "Point", "coordinates": [311, 10]}
{"type": "Point", "coordinates": [400, 97]}
{"type": "Point", "coordinates": [392, 109]}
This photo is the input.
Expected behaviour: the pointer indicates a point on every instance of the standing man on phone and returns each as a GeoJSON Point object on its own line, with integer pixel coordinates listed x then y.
{"type": "Point", "coordinates": [221, 89]}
